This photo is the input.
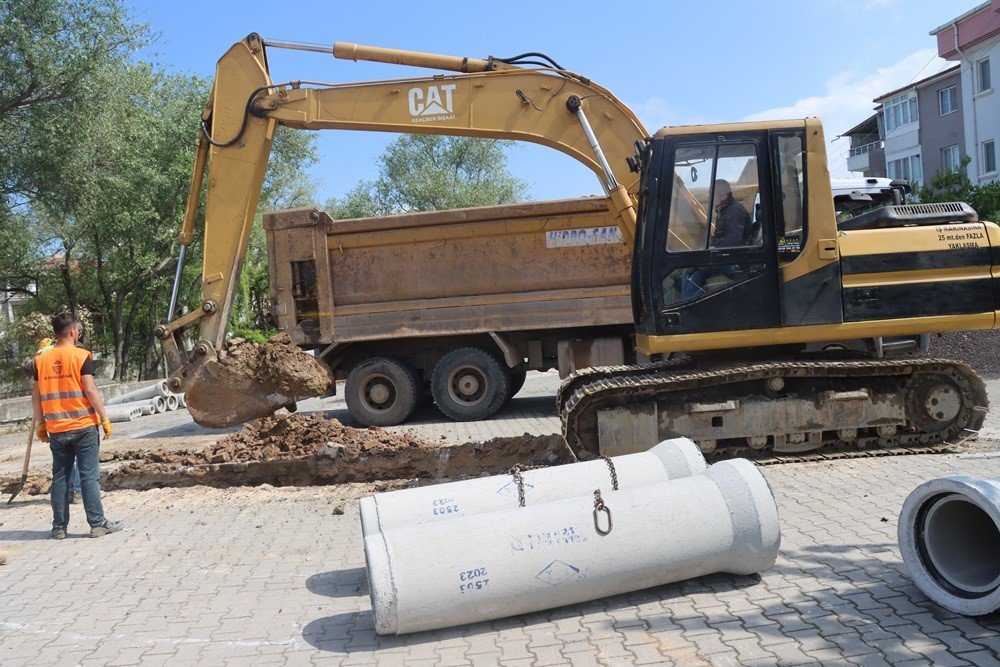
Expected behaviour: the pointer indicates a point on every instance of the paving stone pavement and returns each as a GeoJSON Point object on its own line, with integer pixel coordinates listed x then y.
{"type": "Point", "coordinates": [274, 576]}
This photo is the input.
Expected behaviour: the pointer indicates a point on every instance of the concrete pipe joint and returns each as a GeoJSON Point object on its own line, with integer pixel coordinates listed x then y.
{"type": "Point", "coordinates": [949, 537]}
{"type": "Point", "coordinates": [671, 459]}
{"type": "Point", "coordinates": [526, 559]}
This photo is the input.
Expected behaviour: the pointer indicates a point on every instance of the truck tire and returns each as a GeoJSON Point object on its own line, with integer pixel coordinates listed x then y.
{"type": "Point", "coordinates": [469, 383]}
{"type": "Point", "coordinates": [518, 375]}
{"type": "Point", "coordinates": [382, 391]}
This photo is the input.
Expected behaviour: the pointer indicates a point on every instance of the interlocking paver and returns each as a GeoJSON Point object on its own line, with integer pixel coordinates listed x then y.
{"type": "Point", "coordinates": [196, 578]}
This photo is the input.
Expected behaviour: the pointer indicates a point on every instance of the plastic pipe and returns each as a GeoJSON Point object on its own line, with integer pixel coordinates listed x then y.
{"type": "Point", "coordinates": [122, 413]}
{"type": "Point", "coordinates": [671, 459]}
{"type": "Point", "coordinates": [516, 561]}
{"type": "Point", "coordinates": [949, 537]}
{"type": "Point", "coordinates": [152, 391]}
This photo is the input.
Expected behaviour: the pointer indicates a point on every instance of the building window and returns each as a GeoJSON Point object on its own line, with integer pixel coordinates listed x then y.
{"type": "Point", "coordinates": [948, 100]}
{"type": "Point", "coordinates": [906, 168]}
{"type": "Point", "coordinates": [899, 110]}
{"type": "Point", "coordinates": [983, 76]}
{"type": "Point", "coordinates": [950, 159]}
{"type": "Point", "coordinates": [989, 157]}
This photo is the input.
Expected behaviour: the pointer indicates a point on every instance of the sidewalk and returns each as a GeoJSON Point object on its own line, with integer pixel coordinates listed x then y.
{"type": "Point", "coordinates": [275, 576]}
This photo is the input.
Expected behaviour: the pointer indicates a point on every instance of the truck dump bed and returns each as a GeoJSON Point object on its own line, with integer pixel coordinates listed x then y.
{"type": "Point", "coordinates": [540, 265]}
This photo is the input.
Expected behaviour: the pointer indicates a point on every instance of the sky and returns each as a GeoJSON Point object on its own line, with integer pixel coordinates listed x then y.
{"type": "Point", "coordinates": [673, 63]}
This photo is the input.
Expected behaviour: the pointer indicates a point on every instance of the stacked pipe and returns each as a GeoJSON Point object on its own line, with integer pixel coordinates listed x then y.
{"type": "Point", "coordinates": [151, 400]}
{"type": "Point", "coordinates": [123, 413]}
{"type": "Point", "coordinates": [583, 531]}
{"type": "Point", "coordinates": [949, 537]}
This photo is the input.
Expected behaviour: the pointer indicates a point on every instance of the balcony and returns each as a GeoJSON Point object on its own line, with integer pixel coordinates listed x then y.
{"type": "Point", "coordinates": [857, 157]}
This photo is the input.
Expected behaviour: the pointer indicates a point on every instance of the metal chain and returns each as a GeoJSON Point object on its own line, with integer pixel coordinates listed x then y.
{"type": "Point", "coordinates": [614, 473]}
{"type": "Point", "coordinates": [599, 507]}
{"type": "Point", "coordinates": [519, 480]}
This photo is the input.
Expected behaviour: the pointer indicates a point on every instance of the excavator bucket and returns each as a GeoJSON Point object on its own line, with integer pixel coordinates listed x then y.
{"type": "Point", "coordinates": [218, 397]}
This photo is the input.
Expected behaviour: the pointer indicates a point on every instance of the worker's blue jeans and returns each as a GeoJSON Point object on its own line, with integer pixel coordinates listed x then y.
{"type": "Point", "coordinates": [693, 280]}
{"type": "Point", "coordinates": [81, 446]}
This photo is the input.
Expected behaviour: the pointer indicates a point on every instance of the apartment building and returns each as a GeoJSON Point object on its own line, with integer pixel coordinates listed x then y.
{"type": "Point", "coordinates": [866, 154]}
{"type": "Point", "coordinates": [922, 128]}
{"type": "Point", "coordinates": [973, 40]}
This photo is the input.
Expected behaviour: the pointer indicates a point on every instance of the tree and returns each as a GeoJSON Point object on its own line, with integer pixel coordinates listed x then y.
{"type": "Point", "coordinates": [430, 172]}
{"type": "Point", "coordinates": [956, 186]}
{"type": "Point", "coordinates": [48, 51]}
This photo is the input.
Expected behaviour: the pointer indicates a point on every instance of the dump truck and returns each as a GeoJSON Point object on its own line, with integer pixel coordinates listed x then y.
{"type": "Point", "coordinates": [457, 305]}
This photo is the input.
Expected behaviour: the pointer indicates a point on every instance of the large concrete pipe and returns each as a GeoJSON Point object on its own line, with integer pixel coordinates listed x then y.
{"type": "Point", "coordinates": [949, 537]}
{"type": "Point", "coordinates": [671, 459]}
{"type": "Point", "coordinates": [181, 401]}
{"type": "Point", "coordinates": [152, 391]}
{"type": "Point", "coordinates": [515, 561]}
{"type": "Point", "coordinates": [171, 402]}
{"type": "Point", "coordinates": [123, 413]}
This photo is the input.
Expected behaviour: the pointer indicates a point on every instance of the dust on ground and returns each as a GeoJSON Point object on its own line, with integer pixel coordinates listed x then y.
{"type": "Point", "coordinates": [278, 365]}
{"type": "Point", "coordinates": [310, 449]}
{"type": "Point", "coordinates": [980, 349]}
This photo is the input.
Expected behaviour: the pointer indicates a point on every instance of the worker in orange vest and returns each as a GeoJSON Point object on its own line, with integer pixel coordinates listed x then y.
{"type": "Point", "coordinates": [68, 409]}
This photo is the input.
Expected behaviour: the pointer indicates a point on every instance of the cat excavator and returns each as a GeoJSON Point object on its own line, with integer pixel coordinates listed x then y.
{"type": "Point", "coordinates": [737, 327]}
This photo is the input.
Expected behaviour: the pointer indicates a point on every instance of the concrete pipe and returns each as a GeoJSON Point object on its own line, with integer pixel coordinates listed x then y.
{"type": "Point", "coordinates": [123, 413]}
{"type": "Point", "coordinates": [670, 459]}
{"type": "Point", "coordinates": [147, 407]}
{"type": "Point", "coordinates": [181, 401]}
{"type": "Point", "coordinates": [159, 405]}
{"type": "Point", "coordinates": [949, 537]}
{"type": "Point", "coordinates": [171, 402]}
{"type": "Point", "coordinates": [516, 561]}
{"type": "Point", "coordinates": [152, 391]}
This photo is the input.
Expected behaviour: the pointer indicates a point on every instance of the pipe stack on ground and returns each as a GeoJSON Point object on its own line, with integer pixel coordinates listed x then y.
{"type": "Point", "coordinates": [158, 389]}
{"type": "Point", "coordinates": [949, 537]}
{"type": "Point", "coordinates": [123, 413]}
{"type": "Point", "coordinates": [671, 459]}
{"type": "Point", "coordinates": [477, 567]}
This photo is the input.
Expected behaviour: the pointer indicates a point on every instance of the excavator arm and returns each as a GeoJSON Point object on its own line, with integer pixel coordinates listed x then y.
{"type": "Point", "coordinates": [488, 98]}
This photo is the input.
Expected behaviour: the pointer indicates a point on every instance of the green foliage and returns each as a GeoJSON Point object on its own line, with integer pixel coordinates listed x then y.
{"type": "Point", "coordinates": [430, 172]}
{"type": "Point", "coordinates": [956, 186]}
{"type": "Point", "coordinates": [96, 155]}
{"type": "Point", "coordinates": [49, 49]}
{"type": "Point", "coordinates": [252, 335]}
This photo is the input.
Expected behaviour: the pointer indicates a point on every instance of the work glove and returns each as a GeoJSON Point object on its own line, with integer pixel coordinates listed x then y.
{"type": "Point", "coordinates": [106, 425]}
{"type": "Point", "coordinates": [42, 434]}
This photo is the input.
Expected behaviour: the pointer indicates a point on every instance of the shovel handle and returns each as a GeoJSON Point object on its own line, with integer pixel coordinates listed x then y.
{"type": "Point", "coordinates": [27, 452]}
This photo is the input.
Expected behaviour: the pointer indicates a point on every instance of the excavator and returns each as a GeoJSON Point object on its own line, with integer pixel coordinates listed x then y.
{"type": "Point", "coordinates": [731, 335]}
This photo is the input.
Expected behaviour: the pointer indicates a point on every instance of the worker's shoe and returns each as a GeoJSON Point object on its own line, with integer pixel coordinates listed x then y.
{"type": "Point", "coordinates": [58, 533]}
{"type": "Point", "coordinates": [108, 527]}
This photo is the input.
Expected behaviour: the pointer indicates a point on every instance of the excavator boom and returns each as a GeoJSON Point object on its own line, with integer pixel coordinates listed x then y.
{"type": "Point", "coordinates": [489, 98]}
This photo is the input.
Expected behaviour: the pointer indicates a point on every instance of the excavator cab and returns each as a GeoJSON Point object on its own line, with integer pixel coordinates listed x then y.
{"type": "Point", "coordinates": [738, 245]}
{"type": "Point", "coordinates": [722, 211]}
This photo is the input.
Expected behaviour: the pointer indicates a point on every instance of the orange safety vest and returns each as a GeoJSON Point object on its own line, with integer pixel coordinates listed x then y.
{"type": "Point", "coordinates": [64, 404]}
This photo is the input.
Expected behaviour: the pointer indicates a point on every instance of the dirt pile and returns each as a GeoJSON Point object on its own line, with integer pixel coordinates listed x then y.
{"type": "Point", "coordinates": [309, 449]}
{"type": "Point", "coordinates": [979, 349]}
{"type": "Point", "coordinates": [278, 365]}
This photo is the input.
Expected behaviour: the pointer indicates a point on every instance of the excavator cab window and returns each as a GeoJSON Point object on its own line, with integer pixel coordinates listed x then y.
{"type": "Point", "coordinates": [713, 250]}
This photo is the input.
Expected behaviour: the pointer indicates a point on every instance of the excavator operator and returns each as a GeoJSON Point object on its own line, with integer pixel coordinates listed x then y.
{"type": "Point", "coordinates": [731, 226]}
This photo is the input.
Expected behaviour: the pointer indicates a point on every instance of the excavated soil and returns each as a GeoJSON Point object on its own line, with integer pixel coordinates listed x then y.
{"type": "Point", "coordinates": [278, 365]}
{"type": "Point", "coordinates": [979, 349]}
{"type": "Point", "coordinates": [309, 449]}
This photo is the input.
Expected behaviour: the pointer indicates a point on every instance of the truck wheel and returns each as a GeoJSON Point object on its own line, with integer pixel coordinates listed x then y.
{"type": "Point", "coordinates": [518, 375]}
{"type": "Point", "coordinates": [382, 391]}
{"type": "Point", "coordinates": [469, 383]}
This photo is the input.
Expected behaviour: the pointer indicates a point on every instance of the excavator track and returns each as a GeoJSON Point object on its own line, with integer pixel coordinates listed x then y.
{"type": "Point", "coordinates": [841, 409]}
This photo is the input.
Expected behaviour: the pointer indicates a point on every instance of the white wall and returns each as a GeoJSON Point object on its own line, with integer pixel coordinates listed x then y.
{"type": "Point", "coordinates": [982, 110]}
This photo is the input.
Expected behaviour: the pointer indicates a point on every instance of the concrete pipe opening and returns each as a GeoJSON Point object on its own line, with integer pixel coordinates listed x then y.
{"type": "Point", "coordinates": [962, 543]}
{"type": "Point", "coordinates": [949, 538]}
